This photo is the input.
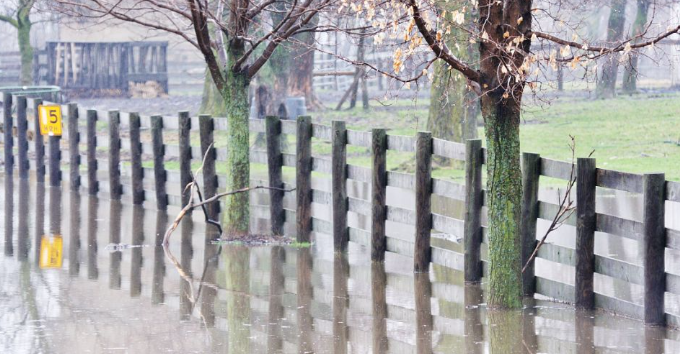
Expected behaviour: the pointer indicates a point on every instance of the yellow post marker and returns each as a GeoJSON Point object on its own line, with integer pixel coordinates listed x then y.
{"type": "Point", "coordinates": [51, 252]}
{"type": "Point", "coordinates": [50, 120]}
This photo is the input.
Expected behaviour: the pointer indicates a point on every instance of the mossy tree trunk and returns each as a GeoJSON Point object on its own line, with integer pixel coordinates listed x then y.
{"type": "Point", "coordinates": [23, 24]}
{"type": "Point", "coordinates": [237, 271]}
{"type": "Point", "coordinates": [606, 84]}
{"type": "Point", "coordinates": [631, 70]}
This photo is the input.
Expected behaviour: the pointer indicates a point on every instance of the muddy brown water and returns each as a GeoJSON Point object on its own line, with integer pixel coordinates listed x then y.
{"type": "Point", "coordinates": [200, 297]}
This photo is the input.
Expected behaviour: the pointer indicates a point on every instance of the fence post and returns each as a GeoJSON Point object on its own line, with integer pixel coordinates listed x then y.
{"type": "Point", "coordinates": [39, 143]}
{"type": "Point", "coordinates": [422, 252]}
{"type": "Point", "coordinates": [136, 159]}
{"type": "Point", "coordinates": [73, 149]}
{"type": "Point", "coordinates": [55, 160]}
{"type": "Point", "coordinates": [378, 195]}
{"type": "Point", "coordinates": [531, 173]}
{"type": "Point", "coordinates": [159, 162]}
{"type": "Point", "coordinates": [303, 178]}
{"type": "Point", "coordinates": [184, 155]}
{"type": "Point", "coordinates": [653, 247]}
{"type": "Point", "coordinates": [586, 183]}
{"type": "Point", "coordinates": [206, 126]}
{"type": "Point", "coordinates": [114, 155]}
{"type": "Point", "coordinates": [339, 185]}
{"type": "Point", "coordinates": [472, 238]}
{"type": "Point", "coordinates": [274, 165]}
{"type": "Point", "coordinates": [92, 165]}
{"type": "Point", "coordinates": [8, 138]}
{"type": "Point", "coordinates": [22, 139]}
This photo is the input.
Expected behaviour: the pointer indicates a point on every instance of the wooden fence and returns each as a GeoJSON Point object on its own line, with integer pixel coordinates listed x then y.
{"type": "Point", "coordinates": [325, 206]}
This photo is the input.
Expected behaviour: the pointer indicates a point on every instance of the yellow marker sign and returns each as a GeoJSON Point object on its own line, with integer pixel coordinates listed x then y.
{"type": "Point", "coordinates": [51, 251]}
{"type": "Point", "coordinates": [50, 120]}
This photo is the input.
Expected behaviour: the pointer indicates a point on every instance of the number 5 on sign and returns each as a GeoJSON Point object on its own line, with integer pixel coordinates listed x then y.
{"type": "Point", "coordinates": [51, 251]}
{"type": "Point", "coordinates": [50, 120]}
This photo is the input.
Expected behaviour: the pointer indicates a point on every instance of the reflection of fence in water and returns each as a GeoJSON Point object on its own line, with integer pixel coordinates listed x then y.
{"type": "Point", "coordinates": [392, 230]}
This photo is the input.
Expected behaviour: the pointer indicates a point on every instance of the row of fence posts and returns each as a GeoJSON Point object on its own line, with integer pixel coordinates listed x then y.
{"type": "Point", "coordinates": [652, 241]}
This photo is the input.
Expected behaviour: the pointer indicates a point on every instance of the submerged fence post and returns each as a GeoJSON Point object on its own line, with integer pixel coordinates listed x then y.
{"type": "Point", "coordinates": [136, 159]}
{"type": "Point", "coordinates": [274, 165]}
{"type": "Point", "coordinates": [39, 143]}
{"type": "Point", "coordinates": [339, 185]}
{"type": "Point", "coordinates": [653, 248]}
{"type": "Point", "coordinates": [303, 178]}
{"type": "Point", "coordinates": [378, 195]}
{"type": "Point", "coordinates": [422, 252]}
{"type": "Point", "coordinates": [92, 165]}
{"type": "Point", "coordinates": [22, 139]}
{"type": "Point", "coordinates": [586, 183]}
{"type": "Point", "coordinates": [531, 173]}
{"type": "Point", "coordinates": [472, 238]}
{"type": "Point", "coordinates": [8, 138]}
{"type": "Point", "coordinates": [159, 162]}
{"type": "Point", "coordinates": [207, 126]}
{"type": "Point", "coordinates": [185, 155]}
{"type": "Point", "coordinates": [73, 146]}
{"type": "Point", "coordinates": [114, 155]}
{"type": "Point", "coordinates": [55, 160]}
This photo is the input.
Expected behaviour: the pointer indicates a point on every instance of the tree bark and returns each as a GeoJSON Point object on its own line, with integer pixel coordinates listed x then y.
{"type": "Point", "coordinates": [23, 25]}
{"type": "Point", "coordinates": [302, 68]}
{"type": "Point", "coordinates": [631, 69]}
{"type": "Point", "coordinates": [212, 102]}
{"type": "Point", "coordinates": [606, 85]}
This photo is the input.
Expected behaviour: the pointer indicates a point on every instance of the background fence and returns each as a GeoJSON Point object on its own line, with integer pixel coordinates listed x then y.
{"type": "Point", "coordinates": [363, 205]}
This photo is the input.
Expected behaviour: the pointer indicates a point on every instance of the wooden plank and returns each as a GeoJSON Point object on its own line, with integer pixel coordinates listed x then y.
{"type": "Point", "coordinates": [619, 270]}
{"type": "Point", "coordinates": [673, 191]}
{"type": "Point", "coordinates": [22, 139]}
{"type": "Point", "coordinates": [531, 173]}
{"type": "Point", "coordinates": [547, 211]}
{"type": "Point", "coordinates": [473, 210]}
{"type": "Point", "coordinates": [322, 132]}
{"type": "Point", "coordinates": [339, 185]}
{"type": "Point", "coordinates": [115, 187]}
{"type": "Point", "coordinates": [618, 306]}
{"type": "Point", "coordinates": [92, 165]}
{"type": "Point", "coordinates": [401, 180]}
{"type": "Point", "coordinates": [303, 178]}
{"type": "Point", "coordinates": [653, 248]}
{"type": "Point", "coordinates": [559, 254]}
{"type": "Point", "coordinates": [288, 127]}
{"type": "Point", "coordinates": [257, 156]}
{"type": "Point", "coordinates": [185, 154]}
{"type": "Point", "coordinates": [422, 255]}
{"type": "Point", "coordinates": [321, 197]}
{"type": "Point", "coordinates": [136, 158]}
{"type": "Point", "coordinates": [256, 125]}
{"type": "Point", "coordinates": [401, 143]}
{"type": "Point", "coordinates": [629, 182]}
{"type": "Point", "coordinates": [73, 147]}
{"type": "Point", "coordinates": [289, 160]}
{"type": "Point", "coordinates": [358, 173]}
{"type": "Point", "coordinates": [357, 138]}
{"type": "Point", "coordinates": [359, 206]}
{"type": "Point", "coordinates": [586, 179]}
{"type": "Point", "coordinates": [673, 283]}
{"type": "Point", "coordinates": [274, 165]}
{"type": "Point", "coordinates": [673, 239]}
{"type": "Point", "coordinates": [206, 133]}
{"type": "Point", "coordinates": [159, 162]}
{"type": "Point", "coordinates": [320, 164]}
{"type": "Point", "coordinates": [401, 215]}
{"type": "Point", "coordinates": [555, 290]}
{"type": "Point", "coordinates": [448, 225]}
{"type": "Point", "coordinates": [39, 147]}
{"type": "Point", "coordinates": [448, 189]}
{"type": "Point", "coordinates": [556, 169]}
{"type": "Point", "coordinates": [448, 149]}
{"type": "Point", "coordinates": [378, 194]}
{"type": "Point", "coordinates": [618, 226]}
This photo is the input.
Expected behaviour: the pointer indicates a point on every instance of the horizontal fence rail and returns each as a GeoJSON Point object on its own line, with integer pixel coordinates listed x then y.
{"type": "Point", "coordinates": [125, 155]}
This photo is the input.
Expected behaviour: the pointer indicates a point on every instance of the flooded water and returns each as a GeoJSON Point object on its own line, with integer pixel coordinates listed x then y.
{"type": "Point", "coordinates": [85, 275]}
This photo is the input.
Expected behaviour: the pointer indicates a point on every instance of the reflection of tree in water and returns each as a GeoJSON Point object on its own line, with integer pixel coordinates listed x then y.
{"type": "Point", "coordinates": [237, 272]}
{"type": "Point", "coordinates": [505, 332]}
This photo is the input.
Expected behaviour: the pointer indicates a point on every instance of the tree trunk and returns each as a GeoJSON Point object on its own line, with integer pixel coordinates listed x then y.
{"type": "Point", "coordinates": [504, 195]}
{"type": "Point", "coordinates": [453, 106]}
{"type": "Point", "coordinates": [631, 70]}
{"type": "Point", "coordinates": [606, 85]}
{"type": "Point", "coordinates": [26, 50]}
{"type": "Point", "coordinates": [302, 67]}
{"type": "Point", "coordinates": [237, 270]}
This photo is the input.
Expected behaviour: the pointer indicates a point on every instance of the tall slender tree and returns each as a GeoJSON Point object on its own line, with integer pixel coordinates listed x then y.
{"type": "Point", "coordinates": [606, 83]}
{"type": "Point", "coordinates": [631, 69]}
{"type": "Point", "coordinates": [19, 18]}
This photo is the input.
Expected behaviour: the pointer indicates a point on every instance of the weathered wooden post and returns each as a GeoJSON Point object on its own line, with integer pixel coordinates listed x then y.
{"type": "Point", "coordinates": [115, 189]}
{"type": "Point", "coordinates": [22, 139]}
{"type": "Point", "coordinates": [586, 183]}
{"type": "Point", "coordinates": [378, 195]}
{"type": "Point", "coordinates": [422, 252]}
{"type": "Point", "coordinates": [274, 166]}
{"type": "Point", "coordinates": [8, 138]}
{"type": "Point", "coordinates": [303, 178]}
{"type": "Point", "coordinates": [472, 238]}
{"type": "Point", "coordinates": [39, 144]}
{"type": "Point", "coordinates": [73, 147]}
{"type": "Point", "coordinates": [653, 245]}
{"type": "Point", "coordinates": [531, 173]}
{"type": "Point", "coordinates": [55, 160]}
{"type": "Point", "coordinates": [92, 165]}
{"type": "Point", "coordinates": [159, 162]}
{"type": "Point", "coordinates": [137, 172]}
{"type": "Point", "coordinates": [206, 128]}
{"type": "Point", "coordinates": [185, 155]}
{"type": "Point", "coordinates": [339, 185]}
